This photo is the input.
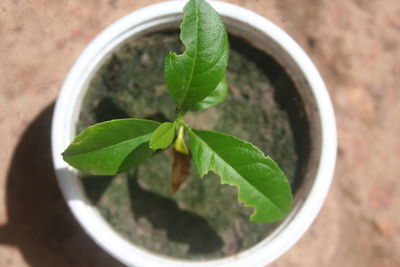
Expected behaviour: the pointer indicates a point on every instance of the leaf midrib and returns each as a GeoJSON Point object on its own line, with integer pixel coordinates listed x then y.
{"type": "Point", "coordinates": [234, 170]}
{"type": "Point", "coordinates": [114, 145]}
{"type": "Point", "coordinates": [195, 55]}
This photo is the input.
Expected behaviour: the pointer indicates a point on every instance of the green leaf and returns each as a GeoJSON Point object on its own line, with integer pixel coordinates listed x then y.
{"type": "Point", "coordinates": [163, 136]}
{"type": "Point", "coordinates": [111, 147]}
{"type": "Point", "coordinates": [213, 99]}
{"type": "Point", "coordinates": [192, 76]}
{"type": "Point", "coordinates": [260, 182]}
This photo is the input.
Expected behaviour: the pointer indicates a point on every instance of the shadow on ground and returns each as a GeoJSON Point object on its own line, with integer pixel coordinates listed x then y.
{"type": "Point", "coordinates": [39, 222]}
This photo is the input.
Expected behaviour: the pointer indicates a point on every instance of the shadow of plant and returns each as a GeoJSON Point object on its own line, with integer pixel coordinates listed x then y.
{"type": "Point", "coordinates": [95, 186]}
{"type": "Point", "coordinates": [163, 214]}
{"type": "Point", "coordinates": [108, 110]}
{"type": "Point", "coordinates": [181, 226]}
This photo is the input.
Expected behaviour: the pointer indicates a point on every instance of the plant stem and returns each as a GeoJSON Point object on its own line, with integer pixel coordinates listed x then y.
{"type": "Point", "coordinates": [180, 112]}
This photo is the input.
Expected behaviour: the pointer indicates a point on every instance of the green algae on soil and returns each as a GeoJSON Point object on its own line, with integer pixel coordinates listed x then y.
{"type": "Point", "coordinates": [203, 219]}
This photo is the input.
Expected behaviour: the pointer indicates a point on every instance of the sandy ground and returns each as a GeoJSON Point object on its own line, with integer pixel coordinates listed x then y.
{"type": "Point", "coordinates": [354, 43]}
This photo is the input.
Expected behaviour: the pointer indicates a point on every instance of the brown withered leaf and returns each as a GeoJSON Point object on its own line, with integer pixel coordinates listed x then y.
{"type": "Point", "coordinates": [180, 170]}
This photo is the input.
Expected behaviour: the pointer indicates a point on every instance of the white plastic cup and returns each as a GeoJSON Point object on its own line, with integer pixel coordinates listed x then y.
{"type": "Point", "coordinates": [264, 35]}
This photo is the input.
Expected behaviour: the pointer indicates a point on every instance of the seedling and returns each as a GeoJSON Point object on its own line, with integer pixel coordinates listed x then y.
{"type": "Point", "coordinates": [195, 81]}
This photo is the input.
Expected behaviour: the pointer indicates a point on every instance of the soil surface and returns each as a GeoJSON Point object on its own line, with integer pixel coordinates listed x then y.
{"type": "Point", "coordinates": [356, 47]}
{"type": "Point", "coordinates": [203, 219]}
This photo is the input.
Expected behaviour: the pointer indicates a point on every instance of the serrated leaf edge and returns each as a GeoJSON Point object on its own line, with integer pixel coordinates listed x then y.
{"type": "Point", "coordinates": [241, 197]}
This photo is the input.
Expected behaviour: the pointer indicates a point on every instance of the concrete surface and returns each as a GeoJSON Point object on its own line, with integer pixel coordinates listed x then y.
{"type": "Point", "coordinates": [354, 43]}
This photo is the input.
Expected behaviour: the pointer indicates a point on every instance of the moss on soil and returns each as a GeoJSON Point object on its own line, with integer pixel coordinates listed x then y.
{"type": "Point", "coordinates": [203, 219]}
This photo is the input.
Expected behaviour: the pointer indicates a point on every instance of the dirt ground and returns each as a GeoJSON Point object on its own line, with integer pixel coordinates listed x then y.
{"type": "Point", "coordinates": [354, 43]}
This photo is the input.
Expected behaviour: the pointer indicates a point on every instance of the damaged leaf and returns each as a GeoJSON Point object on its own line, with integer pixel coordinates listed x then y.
{"type": "Point", "coordinates": [193, 75]}
{"type": "Point", "coordinates": [261, 183]}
